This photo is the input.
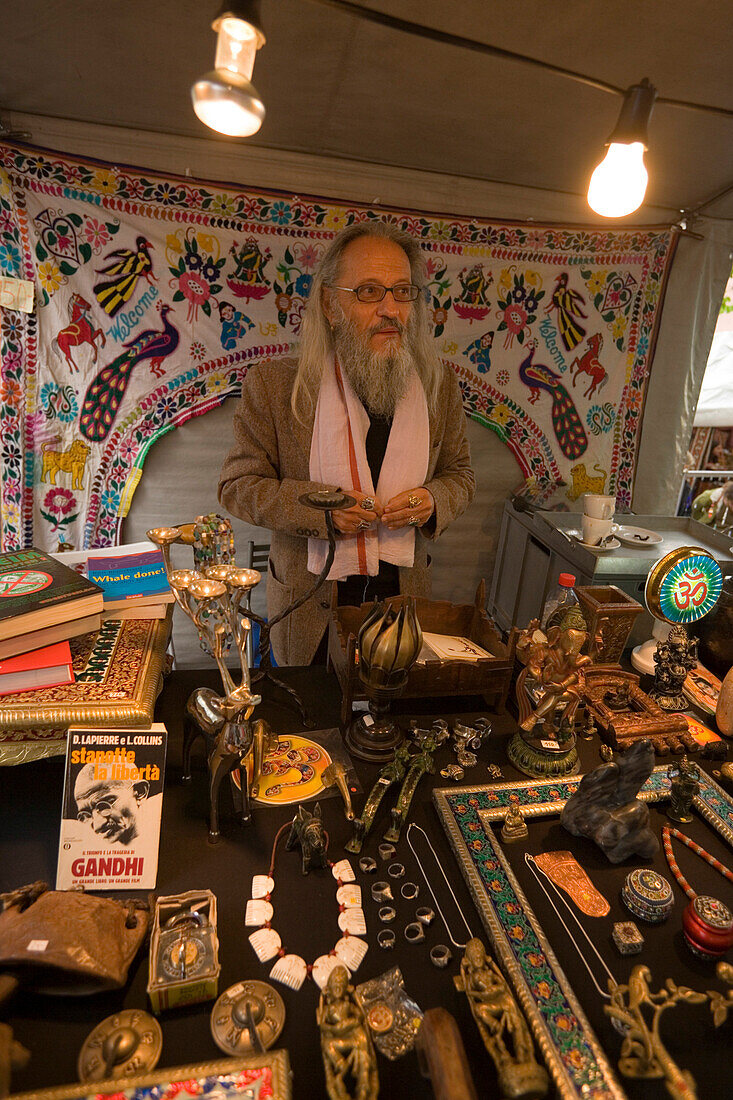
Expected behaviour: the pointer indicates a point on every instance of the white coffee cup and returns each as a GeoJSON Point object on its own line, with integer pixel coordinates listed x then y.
{"type": "Point", "coordinates": [598, 506]}
{"type": "Point", "coordinates": [594, 530]}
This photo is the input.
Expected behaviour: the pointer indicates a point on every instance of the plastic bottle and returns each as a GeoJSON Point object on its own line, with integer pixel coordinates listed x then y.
{"type": "Point", "coordinates": [560, 600]}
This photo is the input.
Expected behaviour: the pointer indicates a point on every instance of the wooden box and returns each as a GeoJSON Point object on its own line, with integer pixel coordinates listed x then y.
{"type": "Point", "coordinates": [488, 676]}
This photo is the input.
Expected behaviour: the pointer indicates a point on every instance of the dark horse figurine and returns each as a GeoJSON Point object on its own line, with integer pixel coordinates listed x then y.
{"type": "Point", "coordinates": [307, 830]}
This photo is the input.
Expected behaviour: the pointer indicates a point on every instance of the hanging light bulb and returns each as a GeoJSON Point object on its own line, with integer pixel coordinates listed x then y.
{"type": "Point", "coordinates": [618, 185]}
{"type": "Point", "coordinates": [225, 99]}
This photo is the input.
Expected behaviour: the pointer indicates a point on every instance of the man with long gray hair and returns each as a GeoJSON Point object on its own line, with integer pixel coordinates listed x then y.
{"type": "Point", "coordinates": [367, 407]}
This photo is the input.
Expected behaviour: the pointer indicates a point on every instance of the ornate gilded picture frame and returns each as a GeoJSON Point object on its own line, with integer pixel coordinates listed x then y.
{"type": "Point", "coordinates": [258, 1076]}
{"type": "Point", "coordinates": [568, 1044]}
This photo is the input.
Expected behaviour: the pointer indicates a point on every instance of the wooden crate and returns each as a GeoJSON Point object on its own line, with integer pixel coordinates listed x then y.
{"type": "Point", "coordinates": [487, 676]}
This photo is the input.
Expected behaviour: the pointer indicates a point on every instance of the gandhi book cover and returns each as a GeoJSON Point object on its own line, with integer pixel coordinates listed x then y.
{"type": "Point", "coordinates": [112, 802]}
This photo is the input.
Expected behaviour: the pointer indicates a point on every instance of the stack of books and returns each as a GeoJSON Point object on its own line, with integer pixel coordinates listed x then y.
{"type": "Point", "coordinates": [132, 578]}
{"type": "Point", "coordinates": [43, 601]}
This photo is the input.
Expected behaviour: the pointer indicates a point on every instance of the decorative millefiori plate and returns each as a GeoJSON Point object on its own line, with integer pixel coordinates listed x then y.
{"type": "Point", "coordinates": [684, 585]}
{"type": "Point", "coordinates": [571, 1050]}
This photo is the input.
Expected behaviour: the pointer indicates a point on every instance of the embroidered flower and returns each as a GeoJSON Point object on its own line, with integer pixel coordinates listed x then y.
{"type": "Point", "coordinates": [97, 234]}
{"type": "Point", "coordinates": [618, 328]}
{"type": "Point", "coordinates": [9, 258]}
{"type": "Point", "coordinates": [105, 181]}
{"type": "Point", "coordinates": [596, 282]}
{"type": "Point", "coordinates": [60, 501]}
{"type": "Point", "coordinates": [50, 277]}
{"type": "Point", "coordinates": [222, 204]}
{"type": "Point", "coordinates": [197, 351]}
{"type": "Point", "coordinates": [281, 213]}
{"type": "Point", "coordinates": [283, 303]}
{"type": "Point", "coordinates": [502, 377]}
{"type": "Point", "coordinates": [11, 391]}
{"type": "Point", "coordinates": [306, 255]}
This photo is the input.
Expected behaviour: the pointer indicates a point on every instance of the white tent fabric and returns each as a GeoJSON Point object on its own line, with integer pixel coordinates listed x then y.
{"type": "Point", "coordinates": [715, 407]}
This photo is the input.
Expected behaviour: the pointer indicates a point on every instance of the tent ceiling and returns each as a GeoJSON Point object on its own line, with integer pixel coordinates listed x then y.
{"type": "Point", "coordinates": [335, 85]}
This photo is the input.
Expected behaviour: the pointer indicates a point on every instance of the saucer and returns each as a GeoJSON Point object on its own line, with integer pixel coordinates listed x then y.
{"type": "Point", "coordinates": [637, 536]}
{"type": "Point", "coordinates": [611, 544]}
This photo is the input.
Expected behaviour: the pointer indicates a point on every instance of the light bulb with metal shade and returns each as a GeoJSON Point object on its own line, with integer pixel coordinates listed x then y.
{"type": "Point", "coordinates": [618, 184]}
{"type": "Point", "coordinates": [225, 99]}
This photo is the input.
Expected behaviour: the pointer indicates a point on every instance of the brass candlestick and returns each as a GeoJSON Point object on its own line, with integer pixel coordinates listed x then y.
{"type": "Point", "coordinates": [212, 600]}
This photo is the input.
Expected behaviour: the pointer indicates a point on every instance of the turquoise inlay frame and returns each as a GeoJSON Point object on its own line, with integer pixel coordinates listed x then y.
{"type": "Point", "coordinates": [569, 1046]}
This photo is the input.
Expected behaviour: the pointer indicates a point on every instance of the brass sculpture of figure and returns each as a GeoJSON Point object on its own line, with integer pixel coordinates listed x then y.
{"type": "Point", "coordinates": [685, 782]}
{"type": "Point", "coordinates": [514, 827]}
{"type": "Point", "coordinates": [349, 1060]}
{"type": "Point", "coordinates": [501, 1025]}
{"type": "Point", "coordinates": [673, 659]}
{"type": "Point", "coordinates": [556, 665]}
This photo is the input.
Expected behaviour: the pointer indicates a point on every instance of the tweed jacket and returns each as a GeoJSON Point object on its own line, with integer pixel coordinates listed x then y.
{"type": "Point", "coordinates": [267, 470]}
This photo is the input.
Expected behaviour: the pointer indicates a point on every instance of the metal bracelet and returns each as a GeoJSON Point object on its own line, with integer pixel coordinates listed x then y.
{"type": "Point", "coordinates": [387, 914]}
{"type": "Point", "coordinates": [396, 870]}
{"type": "Point", "coordinates": [410, 890]}
{"type": "Point", "coordinates": [386, 939]}
{"type": "Point", "coordinates": [386, 851]}
{"type": "Point", "coordinates": [367, 865]}
{"type": "Point", "coordinates": [425, 915]}
{"type": "Point", "coordinates": [382, 891]}
{"type": "Point", "coordinates": [414, 932]}
{"type": "Point", "coordinates": [440, 955]}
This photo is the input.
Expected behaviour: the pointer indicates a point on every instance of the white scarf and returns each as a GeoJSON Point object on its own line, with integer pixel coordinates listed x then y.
{"type": "Point", "coordinates": [338, 457]}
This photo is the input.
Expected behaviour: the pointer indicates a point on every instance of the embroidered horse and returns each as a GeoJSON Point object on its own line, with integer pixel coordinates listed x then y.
{"type": "Point", "coordinates": [307, 830]}
{"type": "Point", "coordinates": [79, 331]}
{"type": "Point", "coordinates": [588, 363]}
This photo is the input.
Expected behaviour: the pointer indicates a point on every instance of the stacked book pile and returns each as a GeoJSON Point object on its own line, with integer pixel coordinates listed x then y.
{"type": "Point", "coordinates": [82, 639]}
{"type": "Point", "coordinates": [43, 601]}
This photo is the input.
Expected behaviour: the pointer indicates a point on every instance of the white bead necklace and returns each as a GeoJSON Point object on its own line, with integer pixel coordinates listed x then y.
{"type": "Point", "coordinates": [290, 969]}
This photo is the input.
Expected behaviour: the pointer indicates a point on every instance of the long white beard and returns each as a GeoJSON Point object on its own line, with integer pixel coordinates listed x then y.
{"type": "Point", "coordinates": [379, 379]}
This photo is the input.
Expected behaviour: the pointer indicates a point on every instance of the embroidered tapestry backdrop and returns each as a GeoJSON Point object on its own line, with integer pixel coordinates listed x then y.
{"type": "Point", "coordinates": [154, 294]}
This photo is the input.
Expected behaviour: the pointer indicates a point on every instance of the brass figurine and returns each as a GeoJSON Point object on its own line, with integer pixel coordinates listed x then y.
{"type": "Point", "coordinates": [642, 1052]}
{"type": "Point", "coordinates": [685, 780]}
{"type": "Point", "coordinates": [514, 827]}
{"type": "Point", "coordinates": [673, 659]}
{"type": "Point", "coordinates": [335, 776]}
{"type": "Point", "coordinates": [349, 1060]}
{"type": "Point", "coordinates": [391, 773]}
{"type": "Point", "coordinates": [556, 664]}
{"type": "Point", "coordinates": [501, 1025]}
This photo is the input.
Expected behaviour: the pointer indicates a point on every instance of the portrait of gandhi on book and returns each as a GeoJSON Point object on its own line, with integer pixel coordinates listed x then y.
{"type": "Point", "coordinates": [111, 807]}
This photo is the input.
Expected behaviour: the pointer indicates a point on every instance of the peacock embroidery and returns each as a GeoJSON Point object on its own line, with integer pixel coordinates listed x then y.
{"type": "Point", "coordinates": [565, 420]}
{"type": "Point", "coordinates": [107, 389]}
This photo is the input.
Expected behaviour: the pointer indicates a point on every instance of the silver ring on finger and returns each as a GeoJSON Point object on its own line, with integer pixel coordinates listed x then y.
{"type": "Point", "coordinates": [364, 525]}
{"type": "Point", "coordinates": [367, 504]}
{"type": "Point", "coordinates": [413, 521]}
{"type": "Point", "coordinates": [414, 500]}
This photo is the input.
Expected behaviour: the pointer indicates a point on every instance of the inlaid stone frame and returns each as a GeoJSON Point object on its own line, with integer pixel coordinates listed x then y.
{"type": "Point", "coordinates": [563, 1033]}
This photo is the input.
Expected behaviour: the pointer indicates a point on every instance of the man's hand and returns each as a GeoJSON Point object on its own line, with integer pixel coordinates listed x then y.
{"type": "Point", "coordinates": [412, 508]}
{"type": "Point", "coordinates": [349, 521]}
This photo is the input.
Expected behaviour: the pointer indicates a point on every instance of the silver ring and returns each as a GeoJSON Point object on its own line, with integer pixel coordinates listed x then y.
{"type": "Point", "coordinates": [367, 504]}
{"type": "Point", "coordinates": [387, 913]}
{"type": "Point", "coordinates": [382, 891]}
{"type": "Point", "coordinates": [396, 870]}
{"type": "Point", "coordinates": [414, 932]}
{"type": "Point", "coordinates": [367, 865]}
{"type": "Point", "coordinates": [424, 915]}
{"type": "Point", "coordinates": [364, 525]}
{"type": "Point", "coordinates": [453, 771]}
{"type": "Point", "coordinates": [414, 501]}
{"type": "Point", "coordinates": [413, 521]}
{"type": "Point", "coordinates": [410, 890]}
{"type": "Point", "coordinates": [386, 939]}
{"type": "Point", "coordinates": [440, 955]}
{"type": "Point", "coordinates": [386, 851]}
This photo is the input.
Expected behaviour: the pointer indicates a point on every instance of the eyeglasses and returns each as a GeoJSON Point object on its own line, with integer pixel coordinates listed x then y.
{"type": "Point", "coordinates": [101, 806]}
{"type": "Point", "coordinates": [375, 292]}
